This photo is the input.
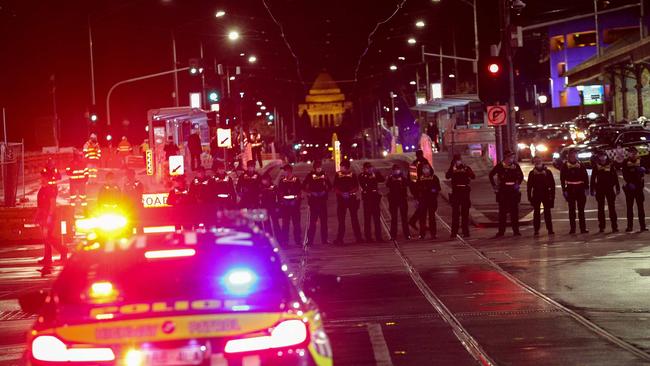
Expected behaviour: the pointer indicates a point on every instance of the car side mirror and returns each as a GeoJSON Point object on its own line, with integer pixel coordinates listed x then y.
{"type": "Point", "coordinates": [32, 302]}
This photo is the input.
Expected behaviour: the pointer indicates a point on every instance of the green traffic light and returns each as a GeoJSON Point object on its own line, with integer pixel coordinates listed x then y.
{"type": "Point", "coordinates": [213, 96]}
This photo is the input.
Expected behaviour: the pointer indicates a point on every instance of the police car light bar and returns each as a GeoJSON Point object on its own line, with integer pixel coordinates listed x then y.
{"type": "Point", "coordinates": [171, 253]}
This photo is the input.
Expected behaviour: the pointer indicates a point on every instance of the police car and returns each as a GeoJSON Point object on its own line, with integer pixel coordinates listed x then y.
{"type": "Point", "coordinates": [220, 296]}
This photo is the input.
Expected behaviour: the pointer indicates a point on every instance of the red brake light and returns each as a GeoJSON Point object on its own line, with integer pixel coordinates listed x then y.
{"type": "Point", "coordinates": [494, 68]}
{"type": "Point", "coordinates": [286, 334]}
{"type": "Point", "coordinates": [171, 253]}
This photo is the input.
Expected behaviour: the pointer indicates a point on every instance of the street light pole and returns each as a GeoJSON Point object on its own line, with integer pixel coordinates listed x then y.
{"type": "Point", "coordinates": [511, 128]}
{"type": "Point", "coordinates": [92, 62]}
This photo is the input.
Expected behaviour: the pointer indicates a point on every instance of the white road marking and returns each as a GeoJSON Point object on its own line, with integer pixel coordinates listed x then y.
{"type": "Point", "coordinates": [379, 346]}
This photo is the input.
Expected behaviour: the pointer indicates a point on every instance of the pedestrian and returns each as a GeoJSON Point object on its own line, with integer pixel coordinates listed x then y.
{"type": "Point", "coordinates": [92, 153]}
{"type": "Point", "coordinates": [110, 194]}
{"type": "Point", "coordinates": [144, 146]}
{"type": "Point", "coordinates": [434, 133]}
{"type": "Point", "coordinates": [221, 188]}
{"type": "Point", "coordinates": [124, 149]}
{"type": "Point", "coordinates": [170, 148]}
{"type": "Point", "coordinates": [46, 219]}
{"type": "Point", "coordinates": [369, 181]}
{"type": "Point", "coordinates": [248, 186]}
{"type": "Point", "coordinates": [78, 174]}
{"type": "Point", "coordinates": [317, 186]}
{"type": "Point", "coordinates": [199, 186]}
{"type": "Point", "coordinates": [541, 191]}
{"type": "Point", "coordinates": [633, 174]}
{"type": "Point", "coordinates": [415, 169]}
{"type": "Point", "coordinates": [194, 146]}
{"type": "Point", "coordinates": [509, 178]}
{"type": "Point", "coordinates": [426, 192]}
{"type": "Point", "coordinates": [255, 139]}
{"type": "Point", "coordinates": [461, 176]}
{"type": "Point", "coordinates": [269, 202]}
{"type": "Point", "coordinates": [575, 185]}
{"type": "Point", "coordinates": [289, 189]}
{"type": "Point", "coordinates": [604, 180]}
{"type": "Point", "coordinates": [132, 191]}
{"type": "Point", "coordinates": [346, 186]}
{"type": "Point", "coordinates": [397, 184]}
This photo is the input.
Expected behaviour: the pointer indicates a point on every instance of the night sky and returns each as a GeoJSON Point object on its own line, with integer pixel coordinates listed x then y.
{"type": "Point", "coordinates": [45, 43]}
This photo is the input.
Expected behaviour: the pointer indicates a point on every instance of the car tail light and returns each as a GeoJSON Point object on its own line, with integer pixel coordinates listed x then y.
{"type": "Point", "coordinates": [52, 349]}
{"type": "Point", "coordinates": [286, 334]}
{"type": "Point", "coordinates": [171, 253]}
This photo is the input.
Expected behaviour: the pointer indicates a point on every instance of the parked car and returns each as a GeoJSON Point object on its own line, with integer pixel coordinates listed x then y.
{"type": "Point", "coordinates": [548, 141]}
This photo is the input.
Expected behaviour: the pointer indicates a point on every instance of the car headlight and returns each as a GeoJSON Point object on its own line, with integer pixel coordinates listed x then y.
{"type": "Point", "coordinates": [556, 155]}
{"type": "Point", "coordinates": [581, 135]}
{"type": "Point", "coordinates": [521, 146]}
{"type": "Point", "coordinates": [584, 155]}
{"type": "Point", "coordinates": [541, 148]}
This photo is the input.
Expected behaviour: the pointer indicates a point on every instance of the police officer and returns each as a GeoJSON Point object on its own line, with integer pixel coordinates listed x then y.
{"type": "Point", "coordinates": [541, 191]}
{"type": "Point", "coordinates": [346, 186]}
{"type": "Point", "coordinates": [248, 186]}
{"type": "Point", "coordinates": [460, 175]}
{"type": "Point", "coordinates": [397, 184]}
{"type": "Point", "coordinates": [181, 201]}
{"type": "Point", "coordinates": [289, 189]}
{"type": "Point", "coordinates": [603, 181]}
{"type": "Point", "coordinates": [110, 195]}
{"type": "Point", "coordinates": [509, 176]}
{"type": "Point", "coordinates": [199, 185]}
{"type": "Point", "coordinates": [132, 193]}
{"type": "Point", "coordinates": [575, 183]}
{"type": "Point", "coordinates": [78, 173]}
{"type": "Point", "coordinates": [269, 202]}
{"type": "Point", "coordinates": [415, 169]}
{"type": "Point", "coordinates": [369, 181]}
{"type": "Point", "coordinates": [221, 189]}
{"type": "Point", "coordinates": [46, 219]}
{"type": "Point", "coordinates": [633, 174]}
{"type": "Point", "coordinates": [317, 186]}
{"type": "Point", "coordinates": [51, 172]}
{"type": "Point", "coordinates": [426, 192]}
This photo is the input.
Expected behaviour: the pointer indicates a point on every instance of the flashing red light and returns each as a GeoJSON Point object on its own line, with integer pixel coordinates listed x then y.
{"type": "Point", "coordinates": [286, 334]}
{"type": "Point", "coordinates": [171, 253]}
{"type": "Point", "coordinates": [494, 68]}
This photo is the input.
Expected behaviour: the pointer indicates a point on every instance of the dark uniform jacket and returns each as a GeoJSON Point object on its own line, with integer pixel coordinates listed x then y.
{"type": "Point", "coordinates": [221, 187]}
{"type": "Point", "coordinates": [427, 187]}
{"type": "Point", "coordinates": [541, 185]}
{"type": "Point", "coordinates": [370, 184]}
{"type": "Point", "coordinates": [289, 190]}
{"type": "Point", "coordinates": [346, 184]}
{"type": "Point", "coordinates": [133, 192]}
{"type": "Point", "coordinates": [109, 195]}
{"type": "Point", "coordinates": [397, 187]}
{"type": "Point", "coordinates": [268, 196]}
{"type": "Point", "coordinates": [573, 176]}
{"type": "Point", "coordinates": [633, 173]}
{"type": "Point", "coordinates": [199, 188]}
{"type": "Point", "coordinates": [316, 185]}
{"type": "Point", "coordinates": [509, 176]}
{"type": "Point", "coordinates": [248, 184]}
{"type": "Point", "coordinates": [604, 178]}
{"type": "Point", "coordinates": [179, 197]}
{"type": "Point", "coordinates": [460, 176]}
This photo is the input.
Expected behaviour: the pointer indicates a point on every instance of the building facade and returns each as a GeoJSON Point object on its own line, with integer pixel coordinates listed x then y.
{"type": "Point", "coordinates": [325, 104]}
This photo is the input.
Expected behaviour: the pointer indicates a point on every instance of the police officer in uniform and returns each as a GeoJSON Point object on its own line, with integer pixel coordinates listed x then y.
{"type": "Point", "coordinates": [575, 184]}
{"type": "Point", "coordinates": [221, 188]}
{"type": "Point", "coordinates": [110, 194]}
{"type": "Point", "coordinates": [426, 192]}
{"type": "Point", "coordinates": [461, 176]}
{"type": "Point", "coordinates": [79, 175]}
{"type": "Point", "coordinates": [181, 201]}
{"type": "Point", "coordinates": [633, 174]}
{"type": "Point", "coordinates": [346, 186]}
{"type": "Point", "coordinates": [289, 189]}
{"type": "Point", "coordinates": [199, 186]}
{"type": "Point", "coordinates": [603, 181]}
{"type": "Point", "coordinates": [397, 184]}
{"type": "Point", "coordinates": [317, 186]}
{"type": "Point", "coordinates": [509, 176]}
{"type": "Point", "coordinates": [132, 192]}
{"type": "Point", "coordinates": [248, 187]}
{"type": "Point", "coordinates": [369, 180]}
{"type": "Point", "coordinates": [541, 191]}
{"type": "Point", "coordinates": [269, 202]}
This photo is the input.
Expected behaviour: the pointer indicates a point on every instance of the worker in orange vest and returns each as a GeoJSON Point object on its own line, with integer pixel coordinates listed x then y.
{"type": "Point", "coordinates": [92, 153]}
{"type": "Point", "coordinates": [78, 173]}
{"type": "Point", "coordinates": [124, 149]}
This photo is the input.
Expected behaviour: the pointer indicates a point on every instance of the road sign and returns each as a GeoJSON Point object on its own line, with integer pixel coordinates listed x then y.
{"type": "Point", "coordinates": [336, 153]}
{"type": "Point", "coordinates": [176, 165]}
{"type": "Point", "coordinates": [148, 154]}
{"type": "Point", "coordinates": [224, 137]}
{"type": "Point", "coordinates": [497, 115]}
{"type": "Point", "coordinates": [155, 200]}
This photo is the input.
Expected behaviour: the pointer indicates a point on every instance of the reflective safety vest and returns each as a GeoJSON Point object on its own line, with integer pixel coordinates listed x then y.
{"type": "Point", "coordinates": [92, 151]}
{"type": "Point", "coordinates": [52, 175]}
{"type": "Point", "coordinates": [124, 147]}
{"type": "Point", "coordinates": [78, 172]}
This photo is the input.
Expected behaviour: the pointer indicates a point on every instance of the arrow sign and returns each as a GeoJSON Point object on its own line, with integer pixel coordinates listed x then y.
{"type": "Point", "coordinates": [176, 165]}
{"type": "Point", "coordinates": [224, 137]}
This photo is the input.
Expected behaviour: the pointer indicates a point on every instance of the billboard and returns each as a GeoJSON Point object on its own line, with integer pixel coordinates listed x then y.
{"type": "Point", "coordinates": [593, 94]}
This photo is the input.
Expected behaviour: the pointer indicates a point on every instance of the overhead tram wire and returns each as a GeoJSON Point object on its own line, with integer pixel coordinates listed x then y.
{"type": "Point", "coordinates": [286, 41]}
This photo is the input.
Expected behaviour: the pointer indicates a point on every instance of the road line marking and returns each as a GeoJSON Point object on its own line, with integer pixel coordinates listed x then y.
{"type": "Point", "coordinates": [379, 346]}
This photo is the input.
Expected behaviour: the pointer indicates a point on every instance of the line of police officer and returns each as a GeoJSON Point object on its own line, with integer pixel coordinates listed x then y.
{"type": "Point", "coordinates": [283, 201]}
{"type": "Point", "coordinates": [576, 186]}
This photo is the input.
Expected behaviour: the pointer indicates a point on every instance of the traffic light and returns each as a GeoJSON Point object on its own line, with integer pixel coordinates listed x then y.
{"type": "Point", "coordinates": [213, 95]}
{"type": "Point", "coordinates": [493, 80]}
{"type": "Point", "coordinates": [195, 66]}
{"type": "Point", "coordinates": [93, 117]}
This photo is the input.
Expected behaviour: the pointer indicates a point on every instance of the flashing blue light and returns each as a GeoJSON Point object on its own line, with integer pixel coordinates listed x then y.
{"type": "Point", "coordinates": [239, 281]}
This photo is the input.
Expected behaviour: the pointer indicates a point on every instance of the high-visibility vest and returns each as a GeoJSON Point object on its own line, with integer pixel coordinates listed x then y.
{"type": "Point", "coordinates": [92, 151]}
{"type": "Point", "coordinates": [124, 147]}
{"type": "Point", "coordinates": [78, 172]}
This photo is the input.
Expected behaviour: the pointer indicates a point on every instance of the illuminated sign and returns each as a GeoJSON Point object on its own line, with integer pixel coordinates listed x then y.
{"type": "Point", "coordinates": [148, 157]}
{"type": "Point", "coordinates": [155, 200]}
{"type": "Point", "coordinates": [176, 165]}
{"type": "Point", "coordinates": [224, 137]}
{"type": "Point", "coordinates": [337, 152]}
{"type": "Point", "coordinates": [593, 94]}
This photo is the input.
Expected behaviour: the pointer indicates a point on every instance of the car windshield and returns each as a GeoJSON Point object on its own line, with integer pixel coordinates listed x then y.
{"type": "Point", "coordinates": [243, 274]}
{"type": "Point", "coordinates": [554, 134]}
{"type": "Point", "coordinates": [604, 136]}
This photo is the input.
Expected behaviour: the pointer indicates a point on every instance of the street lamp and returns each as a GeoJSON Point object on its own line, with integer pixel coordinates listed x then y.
{"type": "Point", "coordinates": [252, 59]}
{"type": "Point", "coordinates": [393, 67]}
{"type": "Point", "coordinates": [233, 35]}
{"type": "Point", "coordinates": [259, 103]}
{"type": "Point", "coordinates": [219, 14]}
{"type": "Point", "coordinates": [412, 40]}
{"type": "Point", "coordinates": [420, 24]}
{"type": "Point", "coordinates": [541, 99]}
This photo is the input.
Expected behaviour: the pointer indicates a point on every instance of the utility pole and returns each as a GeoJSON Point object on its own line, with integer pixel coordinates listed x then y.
{"type": "Point", "coordinates": [92, 62]}
{"type": "Point", "coordinates": [511, 128]}
{"type": "Point", "coordinates": [175, 69]}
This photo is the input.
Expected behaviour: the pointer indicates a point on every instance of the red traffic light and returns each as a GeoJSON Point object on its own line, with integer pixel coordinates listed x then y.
{"type": "Point", "coordinates": [494, 68]}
